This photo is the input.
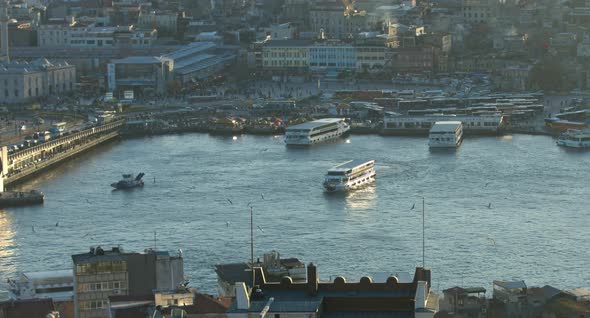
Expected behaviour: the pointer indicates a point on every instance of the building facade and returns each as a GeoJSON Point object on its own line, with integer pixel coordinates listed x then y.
{"type": "Point", "coordinates": [286, 55]}
{"type": "Point", "coordinates": [25, 81]}
{"type": "Point", "coordinates": [100, 273]}
{"type": "Point", "coordinates": [329, 18]}
{"type": "Point", "coordinates": [94, 37]}
{"type": "Point", "coordinates": [164, 22]}
{"type": "Point", "coordinates": [479, 11]}
{"type": "Point", "coordinates": [332, 55]}
{"type": "Point", "coordinates": [141, 74]}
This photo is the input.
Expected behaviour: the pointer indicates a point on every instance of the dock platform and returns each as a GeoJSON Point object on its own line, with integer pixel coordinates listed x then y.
{"type": "Point", "coordinates": [10, 199]}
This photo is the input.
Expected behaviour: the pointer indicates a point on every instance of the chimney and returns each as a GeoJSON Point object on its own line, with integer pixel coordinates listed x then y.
{"type": "Point", "coordinates": [312, 279]}
{"type": "Point", "coordinates": [242, 298]}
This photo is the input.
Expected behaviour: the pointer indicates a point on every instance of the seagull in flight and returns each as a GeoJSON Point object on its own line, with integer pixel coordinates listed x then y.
{"type": "Point", "coordinates": [487, 184]}
{"type": "Point", "coordinates": [56, 224]}
{"type": "Point", "coordinates": [228, 200]}
{"type": "Point", "coordinates": [262, 196]}
{"type": "Point", "coordinates": [492, 241]}
{"type": "Point", "coordinates": [227, 223]}
{"type": "Point", "coordinates": [261, 230]}
{"type": "Point", "coordinates": [33, 228]}
{"type": "Point", "coordinates": [490, 205]}
{"type": "Point", "coordinates": [413, 206]}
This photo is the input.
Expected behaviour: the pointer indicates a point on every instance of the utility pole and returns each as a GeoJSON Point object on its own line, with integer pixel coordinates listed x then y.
{"type": "Point", "coordinates": [252, 245]}
{"type": "Point", "coordinates": [423, 234]}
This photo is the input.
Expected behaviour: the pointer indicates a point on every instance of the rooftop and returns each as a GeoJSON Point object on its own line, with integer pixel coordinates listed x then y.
{"type": "Point", "coordinates": [114, 254]}
{"type": "Point", "coordinates": [351, 164]}
{"type": "Point", "coordinates": [444, 126]}
{"type": "Point", "coordinates": [511, 284]}
{"type": "Point", "coordinates": [316, 123]}
{"type": "Point", "coordinates": [357, 299]}
{"type": "Point", "coordinates": [64, 273]}
{"type": "Point", "coordinates": [141, 60]}
{"type": "Point", "coordinates": [287, 43]}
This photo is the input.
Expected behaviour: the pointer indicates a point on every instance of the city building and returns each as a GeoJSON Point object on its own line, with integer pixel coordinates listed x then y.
{"type": "Point", "coordinates": [511, 296]}
{"type": "Point", "coordinates": [199, 61]}
{"type": "Point", "coordinates": [54, 32]}
{"type": "Point", "coordinates": [21, 34]}
{"type": "Point", "coordinates": [165, 22]}
{"type": "Point", "coordinates": [370, 58]}
{"type": "Point", "coordinates": [26, 81]}
{"type": "Point", "coordinates": [4, 53]}
{"type": "Point", "coordinates": [141, 74]}
{"type": "Point", "coordinates": [284, 31]}
{"type": "Point", "coordinates": [101, 273]}
{"type": "Point", "coordinates": [328, 18]}
{"type": "Point", "coordinates": [286, 55]}
{"type": "Point", "coordinates": [63, 35]}
{"type": "Point", "coordinates": [479, 11]}
{"type": "Point", "coordinates": [332, 55]}
{"type": "Point", "coordinates": [28, 308]}
{"type": "Point", "coordinates": [464, 302]}
{"type": "Point", "coordinates": [338, 298]}
{"type": "Point", "coordinates": [417, 59]}
{"type": "Point", "coordinates": [183, 302]}
{"type": "Point", "coordinates": [514, 78]}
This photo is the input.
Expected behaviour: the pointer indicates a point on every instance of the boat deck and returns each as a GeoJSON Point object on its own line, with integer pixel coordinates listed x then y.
{"type": "Point", "coordinates": [351, 164]}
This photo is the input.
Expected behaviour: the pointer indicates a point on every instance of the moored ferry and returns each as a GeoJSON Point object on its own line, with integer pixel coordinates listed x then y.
{"type": "Point", "coordinates": [575, 138]}
{"type": "Point", "coordinates": [446, 134]}
{"type": "Point", "coordinates": [350, 175]}
{"type": "Point", "coordinates": [316, 131]}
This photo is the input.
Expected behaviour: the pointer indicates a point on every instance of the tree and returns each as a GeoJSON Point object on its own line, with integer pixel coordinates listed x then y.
{"type": "Point", "coordinates": [549, 75]}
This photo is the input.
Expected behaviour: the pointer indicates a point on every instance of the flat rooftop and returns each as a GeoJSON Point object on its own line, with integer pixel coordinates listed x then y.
{"type": "Point", "coordinates": [315, 123]}
{"type": "Point", "coordinates": [351, 164]}
{"type": "Point", "coordinates": [445, 126]}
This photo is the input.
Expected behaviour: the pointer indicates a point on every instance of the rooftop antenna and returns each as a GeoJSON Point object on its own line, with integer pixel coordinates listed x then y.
{"type": "Point", "coordinates": [155, 241]}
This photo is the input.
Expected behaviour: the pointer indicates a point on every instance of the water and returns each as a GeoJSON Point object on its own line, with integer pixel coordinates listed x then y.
{"type": "Point", "coordinates": [536, 228]}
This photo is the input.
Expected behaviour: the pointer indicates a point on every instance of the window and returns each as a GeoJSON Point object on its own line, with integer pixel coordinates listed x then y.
{"type": "Point", "coordinates": [16, 93]}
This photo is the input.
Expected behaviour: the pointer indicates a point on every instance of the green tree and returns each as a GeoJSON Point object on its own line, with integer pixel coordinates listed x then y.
{"type": "Point", "coordinates": [549, 74]}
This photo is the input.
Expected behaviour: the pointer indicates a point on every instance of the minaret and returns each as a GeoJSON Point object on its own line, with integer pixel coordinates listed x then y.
{"type": "Point", "coordinates": [4, 31]}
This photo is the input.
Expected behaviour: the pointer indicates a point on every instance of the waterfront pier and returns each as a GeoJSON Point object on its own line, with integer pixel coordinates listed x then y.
{"type": "Point", "coordinates": [25, 163]}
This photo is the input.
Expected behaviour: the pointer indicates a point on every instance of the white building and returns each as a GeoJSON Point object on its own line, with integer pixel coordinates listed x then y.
{"type": "Point", "coordinates": [25, 81]}
{"type": "Point", "coordinates": [94, 37]}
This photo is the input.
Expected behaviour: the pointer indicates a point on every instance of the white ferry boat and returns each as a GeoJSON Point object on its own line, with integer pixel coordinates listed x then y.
{"type": "Point", "coordinates": [350, 175]}
{"type": "Point", "coordinates": [446, 134]}
{"type": "Point", "coordinates": [316, 131]}
{"type": "Point", "coordinates": [575, 138]}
